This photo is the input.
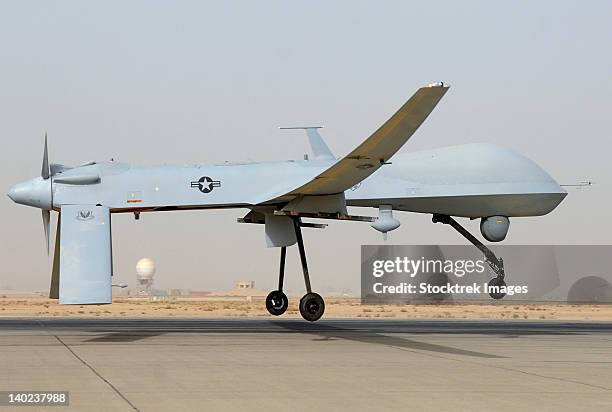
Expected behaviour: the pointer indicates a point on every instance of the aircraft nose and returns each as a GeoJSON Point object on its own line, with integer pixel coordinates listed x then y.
{"type": "Point", "coordinates": [11, 193]}
{"type": "Point", "coordinates": [35, 192]}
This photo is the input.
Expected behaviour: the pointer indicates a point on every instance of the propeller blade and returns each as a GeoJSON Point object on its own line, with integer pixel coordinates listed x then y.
{"type": "Point", "coordinates": [45, 166]}
{"type": "Point", "coordinates": [46, 216]}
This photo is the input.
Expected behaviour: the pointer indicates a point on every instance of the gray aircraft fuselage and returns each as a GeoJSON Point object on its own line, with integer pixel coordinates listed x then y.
{"type": "Point", "coordinates": [475, 180]}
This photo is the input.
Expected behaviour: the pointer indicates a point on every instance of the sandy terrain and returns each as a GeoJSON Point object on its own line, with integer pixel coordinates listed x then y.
{"type": "Point", "coordinates": [32, 306]}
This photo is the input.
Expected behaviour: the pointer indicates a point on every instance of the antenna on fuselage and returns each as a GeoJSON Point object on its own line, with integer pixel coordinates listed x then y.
{"type": "Point", "coordinates": [581, 185]}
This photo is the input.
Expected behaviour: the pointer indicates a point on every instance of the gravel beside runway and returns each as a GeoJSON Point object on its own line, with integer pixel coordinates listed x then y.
{"type": "Point", "coordinates": [280, 364]}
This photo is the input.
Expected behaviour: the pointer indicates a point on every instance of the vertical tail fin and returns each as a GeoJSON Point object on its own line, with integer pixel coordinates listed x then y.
{"type": "Point", "coordinates": [319, 148]}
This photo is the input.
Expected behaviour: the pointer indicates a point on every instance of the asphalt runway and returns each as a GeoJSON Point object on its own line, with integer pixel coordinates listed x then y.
{"type": "Point", "coordinates": [285, 364]}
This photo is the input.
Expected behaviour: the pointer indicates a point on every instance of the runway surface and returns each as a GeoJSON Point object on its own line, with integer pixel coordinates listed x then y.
{"type": "Point", "coordinates": [281, 364]}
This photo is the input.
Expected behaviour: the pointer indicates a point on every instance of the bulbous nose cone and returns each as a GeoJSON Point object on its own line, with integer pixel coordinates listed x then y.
{"type": "Point", "coordinates": [35, 193]}
{"type": "Point", "coordinates": [11, 193]}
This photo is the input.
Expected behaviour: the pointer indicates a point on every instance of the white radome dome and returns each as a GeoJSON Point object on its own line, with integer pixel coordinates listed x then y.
{"type": "Point", "coordinates": [145, 268]}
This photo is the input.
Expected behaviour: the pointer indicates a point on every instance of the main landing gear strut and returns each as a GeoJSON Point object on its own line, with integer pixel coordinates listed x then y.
{"type": "Point", "coordinates": [496, 264]}
{"type": "Point", "coordinates": [312, 305]}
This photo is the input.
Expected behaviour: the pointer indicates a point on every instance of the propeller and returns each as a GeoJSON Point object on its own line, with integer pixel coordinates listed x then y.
{"type": "Point", "coordinates": [46, 217]}
{"type": "Point", "coordinates": [46, 172]}
{"type": "Point", "coordinates": [46, 214]}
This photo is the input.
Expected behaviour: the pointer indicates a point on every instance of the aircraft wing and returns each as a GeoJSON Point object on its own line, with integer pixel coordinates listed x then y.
{"type": "Point", "coordinates": [83, 273]}
{"type": "Point", "coordinates": [377, 149]}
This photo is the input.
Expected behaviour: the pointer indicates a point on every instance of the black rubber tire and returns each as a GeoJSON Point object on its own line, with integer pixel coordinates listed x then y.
{"type": "Point", "coordinates": [312, 306]}
{"type": "Point", "coordinates": [277, 302]}
{"type": "Point", "coordinates": [497, 282]}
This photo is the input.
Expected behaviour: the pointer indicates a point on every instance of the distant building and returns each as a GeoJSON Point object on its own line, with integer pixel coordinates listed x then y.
{"type": "Point", "coordinates": [243, 288]}
{"type": "Point", "coordinates": [245, 284]}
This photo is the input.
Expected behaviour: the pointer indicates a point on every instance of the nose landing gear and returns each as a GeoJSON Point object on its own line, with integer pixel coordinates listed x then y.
{"type": "Point", "coordinates": [497, 285]}
{"type": "Point", "coordinates": [312, 305]}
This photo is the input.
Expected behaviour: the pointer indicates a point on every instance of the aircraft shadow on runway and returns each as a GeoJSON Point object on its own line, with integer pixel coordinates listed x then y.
{"type": "Point", "coordinates": [331, 332]}
{"type": "Point", "coordinates": [379, 332]}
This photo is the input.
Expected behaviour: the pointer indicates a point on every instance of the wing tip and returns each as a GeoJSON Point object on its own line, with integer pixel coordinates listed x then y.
{"type": "Point", "coordinates": [438, 84]}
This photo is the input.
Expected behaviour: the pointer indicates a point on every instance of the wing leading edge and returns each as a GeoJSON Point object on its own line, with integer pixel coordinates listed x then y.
{"type": "Point", "coordinates": [376, 149]}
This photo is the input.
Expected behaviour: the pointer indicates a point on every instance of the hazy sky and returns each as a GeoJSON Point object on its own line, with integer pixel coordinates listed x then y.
{"type": "Point", "coordinates": [203, 81]}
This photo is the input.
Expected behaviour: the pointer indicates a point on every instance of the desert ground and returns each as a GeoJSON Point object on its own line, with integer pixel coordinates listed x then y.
{"type": "Point", "coordinates": [336, 308]}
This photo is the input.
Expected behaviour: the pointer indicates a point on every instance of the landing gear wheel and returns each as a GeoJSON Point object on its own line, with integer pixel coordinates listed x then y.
{"type": "Point", "coordinates": [277, 302]}
{"type": "Point", "coordinates": [499, 283]}
{"type": "Point", "coordinates": [312, 306]}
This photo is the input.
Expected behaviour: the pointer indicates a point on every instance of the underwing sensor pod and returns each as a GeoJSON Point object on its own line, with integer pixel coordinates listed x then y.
{"type": "Point", "coordinates": [385, 222]}
{"type": "Point", "coordinates": [494, 228]}
{"type": "Point", "coordinates": [283, 196]}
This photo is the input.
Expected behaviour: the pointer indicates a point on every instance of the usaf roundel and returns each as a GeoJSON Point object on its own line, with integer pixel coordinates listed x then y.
{"type": "Point", "coordinates": [205, 184]}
